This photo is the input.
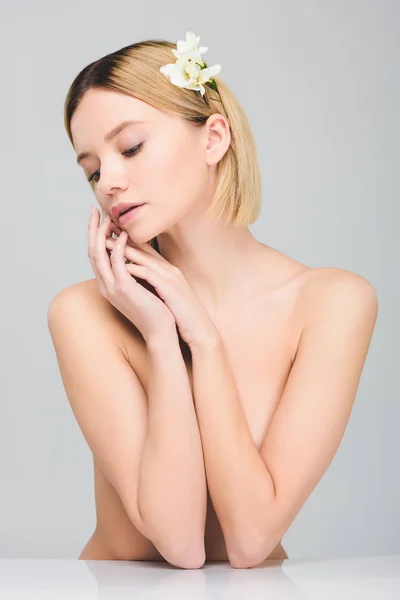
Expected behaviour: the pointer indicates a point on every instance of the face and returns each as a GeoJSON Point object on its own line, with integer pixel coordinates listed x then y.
{"type": "Point", "coordinates": [167, 170]}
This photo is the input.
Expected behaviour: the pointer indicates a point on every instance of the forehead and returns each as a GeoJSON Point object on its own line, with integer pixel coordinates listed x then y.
{"type": "Point", "coordinates": [100, 110]}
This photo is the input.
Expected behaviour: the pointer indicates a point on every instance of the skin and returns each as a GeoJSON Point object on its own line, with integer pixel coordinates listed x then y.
{"type": "Point", "coordinates": [185, 160]}
{"type": "Point", "coordinates": [225, 272]}
{"type": "Point", "coordinates": [175, 174]}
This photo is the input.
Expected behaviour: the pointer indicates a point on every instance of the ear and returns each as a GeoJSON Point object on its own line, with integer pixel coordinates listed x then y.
{"type": "Point", "coordinates": [218, 138]}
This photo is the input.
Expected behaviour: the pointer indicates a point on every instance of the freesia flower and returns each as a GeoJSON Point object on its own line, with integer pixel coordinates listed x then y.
{"type": "Point", "coordinates": [190, 71]}
{"type": "Point", "coordinates": [189, 48]}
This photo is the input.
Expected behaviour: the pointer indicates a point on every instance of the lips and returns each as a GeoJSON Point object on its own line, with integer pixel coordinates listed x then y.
{"type": "Point", "coordinates": [129, 214]}
{"type": "Point", "coordinates": [130, 208]}
{"type": "Point", "coordinates": [127, 210]}
{"type": "Point", "coordinates": [117, 210]}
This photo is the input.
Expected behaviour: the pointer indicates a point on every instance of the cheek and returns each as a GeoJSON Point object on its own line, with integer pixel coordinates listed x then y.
{"type": "Point", "coordinates": [174, 172]}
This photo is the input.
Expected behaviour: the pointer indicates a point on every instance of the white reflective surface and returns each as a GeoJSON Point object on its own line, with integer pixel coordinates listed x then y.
{"type": "Point", "coordinates": [359, 578]}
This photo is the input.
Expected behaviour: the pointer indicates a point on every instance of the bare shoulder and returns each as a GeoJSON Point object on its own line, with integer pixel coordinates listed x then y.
{"type": "Point", "coordinates": [82, 295]}
{"type": "Point", "coordinates": [87, 288]}
{"type": "Point", "coordinates": [287, 275]}
{"type": "Point", "coordinates": [337, 290]}
{"type": "Point", "coordinates": [85, 296]}
{"type": "Point", "coordinates": [328, 281]}
{"type": "Point", "coordinates": [323, 301]}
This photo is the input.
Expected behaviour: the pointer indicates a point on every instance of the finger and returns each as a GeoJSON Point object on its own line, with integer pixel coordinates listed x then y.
{"type": "Point", "coordinates": [111, 230]}
{"type": "Point", "coordinates": [92, 232]}
{"type": "Point", "coordinates": [141, 257]}
{"type": "Point", "coordinates": [146, 247]}
{"type": "Point", "coordinates": [151, 280]}
{"type": "Point", "coordinates": [117, 263]}
{"type": "Point", "coordinates": [115, 229]}
{"type": "Point", "coordinates": [101, 258]}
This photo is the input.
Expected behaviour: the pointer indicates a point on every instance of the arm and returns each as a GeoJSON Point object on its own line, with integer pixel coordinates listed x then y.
{"type": "Point", "coordinates": [257, 495]}
{"type": "Point", "coordinates": [172, 486]}
{"type": "Point", "coordinates": [111, 408]}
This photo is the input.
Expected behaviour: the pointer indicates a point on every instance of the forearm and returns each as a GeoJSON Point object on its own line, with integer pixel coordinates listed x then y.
{"type": "Point", "coordinates": [172, 493]}
{"type": "Point", "coordinates": [240, 486]}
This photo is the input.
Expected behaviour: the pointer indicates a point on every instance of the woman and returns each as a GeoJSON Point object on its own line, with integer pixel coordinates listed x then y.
{"type": "Point", "coordinates": [212, 375]}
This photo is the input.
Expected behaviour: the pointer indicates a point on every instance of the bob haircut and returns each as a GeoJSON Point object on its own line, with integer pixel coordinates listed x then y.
{"type": "Point", "coordinates": [135, 70]}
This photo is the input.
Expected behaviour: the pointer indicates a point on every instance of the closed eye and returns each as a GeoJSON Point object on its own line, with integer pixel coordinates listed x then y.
{"type": "Point", "coordinates": [128, 153]}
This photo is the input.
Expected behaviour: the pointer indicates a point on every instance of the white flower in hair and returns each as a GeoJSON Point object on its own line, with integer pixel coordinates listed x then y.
{"type": "Point", "coordinates": [190, 71]}
{"type": "Point", "coordinates": [189, 48]}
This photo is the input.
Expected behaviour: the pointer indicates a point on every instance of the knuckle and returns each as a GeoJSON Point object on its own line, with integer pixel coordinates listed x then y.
{"type": "Point", "coordinates": [120, 287]}
{"type": "Point", "coordinates": [176, 271]}
{"type": "Point", "coordinates": [172, 275]}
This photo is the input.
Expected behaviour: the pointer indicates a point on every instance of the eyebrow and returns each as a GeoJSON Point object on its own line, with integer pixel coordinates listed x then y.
{"type": "Point", "coordinates": [109, 136]}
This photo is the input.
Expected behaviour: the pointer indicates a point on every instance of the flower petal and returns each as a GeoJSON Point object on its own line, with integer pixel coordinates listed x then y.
{"type": "Point", "coordinates": [192, 40]}
{"type": "Point", "coordinates": [206, 74]}
{"type": "Point", "coordinates": [176, 72]}
{"type": "Point", "coordinates": [190, 70]}
{"type": "Point", "coordinates": [167, 69]}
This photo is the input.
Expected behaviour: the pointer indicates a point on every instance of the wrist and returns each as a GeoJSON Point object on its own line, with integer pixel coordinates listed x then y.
{"type": "Point", "coordinates": [210, 340]}
{"type": "Point", "coordinates": [162, 339]}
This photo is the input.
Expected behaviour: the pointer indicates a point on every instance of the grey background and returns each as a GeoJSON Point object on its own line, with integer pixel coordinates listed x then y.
{"type": "Point", "coordinates": [320, 83]}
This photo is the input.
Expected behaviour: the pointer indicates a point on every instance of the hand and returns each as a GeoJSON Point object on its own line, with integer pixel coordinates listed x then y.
{"type": "Point", "coordinates": [193, 321]}
{"type": "Point", "coordinates": [142, 307]}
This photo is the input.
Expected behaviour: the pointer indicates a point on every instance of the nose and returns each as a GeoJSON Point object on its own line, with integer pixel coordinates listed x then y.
{"type": "Point", "coordinates": [112, 178]}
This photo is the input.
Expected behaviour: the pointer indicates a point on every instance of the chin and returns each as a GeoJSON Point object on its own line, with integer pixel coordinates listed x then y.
{"type": "Point", "coordinates": [139, 238]}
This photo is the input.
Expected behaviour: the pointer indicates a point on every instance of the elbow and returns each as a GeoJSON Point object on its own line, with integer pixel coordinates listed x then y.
{"type": "Point", "coordinates": [240, 559]}
{"type": "Point", "coordinates": [185, 556]}
{"type": "Point", "coordinates": [252, 553]}
{"type": "Point", "coordinates": [179, 549]}
{"type": "Point", "coordinates": [189, 558]}
{"type": "Point", "coordinates": [252, 548]}
{"type": "Point", "coordinates": [241, 555]}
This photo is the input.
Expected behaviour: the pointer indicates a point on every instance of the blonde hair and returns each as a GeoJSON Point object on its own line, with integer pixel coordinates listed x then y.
{"type": "Point", "coordinates": [135, 70]}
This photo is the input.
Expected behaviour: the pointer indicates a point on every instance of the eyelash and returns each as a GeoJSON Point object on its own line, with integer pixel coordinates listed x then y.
{"type": "Point", "coordinates": [128, 153]}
